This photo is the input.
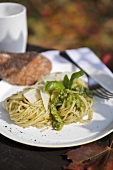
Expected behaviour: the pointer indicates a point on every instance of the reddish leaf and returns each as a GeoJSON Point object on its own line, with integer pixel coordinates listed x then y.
{"type": "Point", "coordinates": [91, 157]}
{"type": "Point", "coordinates": [108, 60]}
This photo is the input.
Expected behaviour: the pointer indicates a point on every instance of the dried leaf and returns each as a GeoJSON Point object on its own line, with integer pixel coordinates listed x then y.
{"type": "Point", "coordinates": [91, 157]}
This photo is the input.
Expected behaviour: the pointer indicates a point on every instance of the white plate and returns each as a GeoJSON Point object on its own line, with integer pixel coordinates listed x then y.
{"type": "Point", "coordinates": [70, 135]}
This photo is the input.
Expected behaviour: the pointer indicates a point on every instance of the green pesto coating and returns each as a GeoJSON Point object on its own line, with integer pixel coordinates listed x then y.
{"type": "Point", "coordinates": [66, 93]}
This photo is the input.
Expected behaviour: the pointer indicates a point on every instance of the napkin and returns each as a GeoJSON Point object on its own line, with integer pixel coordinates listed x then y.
{"type": "Point", "coordinates": [87, 59]}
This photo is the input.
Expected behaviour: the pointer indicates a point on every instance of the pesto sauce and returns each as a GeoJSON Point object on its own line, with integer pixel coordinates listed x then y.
{"type": "Point", "coordinates": [66, 93]}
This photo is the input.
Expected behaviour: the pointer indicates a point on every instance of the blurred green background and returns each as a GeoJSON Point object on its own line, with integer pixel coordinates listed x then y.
{"type": "Point", "coordinates": [67, 24]}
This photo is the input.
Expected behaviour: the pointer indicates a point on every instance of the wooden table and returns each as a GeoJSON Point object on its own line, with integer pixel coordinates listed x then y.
{"type": "Point", "coordinates": [17, 156]}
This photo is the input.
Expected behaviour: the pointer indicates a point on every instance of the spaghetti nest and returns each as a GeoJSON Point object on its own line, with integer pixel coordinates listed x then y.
{"type": "Point", "coordinates": [25, 114]}
{"type": "Point", "coordinates": [58, 103]}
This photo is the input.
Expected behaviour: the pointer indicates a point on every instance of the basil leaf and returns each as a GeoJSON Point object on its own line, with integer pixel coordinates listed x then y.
{"type": "Point", "coordinates": [66, 81]}
{"type": "Point", "coordinates": [53, 85]}
{"type": "Point", "coordinates": [74, 78]}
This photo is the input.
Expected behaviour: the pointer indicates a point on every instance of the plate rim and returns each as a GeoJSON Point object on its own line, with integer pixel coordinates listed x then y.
{"type": "Point", "coordinates": [59, 145]}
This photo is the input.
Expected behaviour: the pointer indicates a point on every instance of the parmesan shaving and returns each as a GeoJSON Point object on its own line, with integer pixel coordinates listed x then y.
{"type": "Point", "coordinates": [45, 98]}
{"type": "Point", "coordinates": [32, 95]}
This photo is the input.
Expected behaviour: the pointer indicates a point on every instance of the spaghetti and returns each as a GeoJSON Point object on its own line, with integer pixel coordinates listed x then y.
{"type": "Point", "coordinates": [55, 103]}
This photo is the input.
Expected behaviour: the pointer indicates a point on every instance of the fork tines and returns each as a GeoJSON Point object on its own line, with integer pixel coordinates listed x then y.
{"type": "Point", "coordinates": [103, 93]}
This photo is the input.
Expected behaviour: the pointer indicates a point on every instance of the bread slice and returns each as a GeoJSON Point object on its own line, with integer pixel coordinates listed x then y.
{"type": "Point", "coordinates": [23, 68]}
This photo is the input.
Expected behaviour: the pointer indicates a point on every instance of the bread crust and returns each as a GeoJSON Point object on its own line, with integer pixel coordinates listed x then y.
{"type": "Point", "coordinates": [23, 68]}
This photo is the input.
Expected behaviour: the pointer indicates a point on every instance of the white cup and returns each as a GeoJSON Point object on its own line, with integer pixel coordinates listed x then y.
{"type": "Point", "coordinates": [13, 27]}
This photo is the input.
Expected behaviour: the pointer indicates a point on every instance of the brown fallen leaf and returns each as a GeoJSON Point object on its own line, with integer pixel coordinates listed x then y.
{"type": "Point", "coordinates": [91, 157]}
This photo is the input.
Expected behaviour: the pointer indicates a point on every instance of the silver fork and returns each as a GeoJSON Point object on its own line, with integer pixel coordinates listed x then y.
{"type": "Point", "coordinates": [97, 89]}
